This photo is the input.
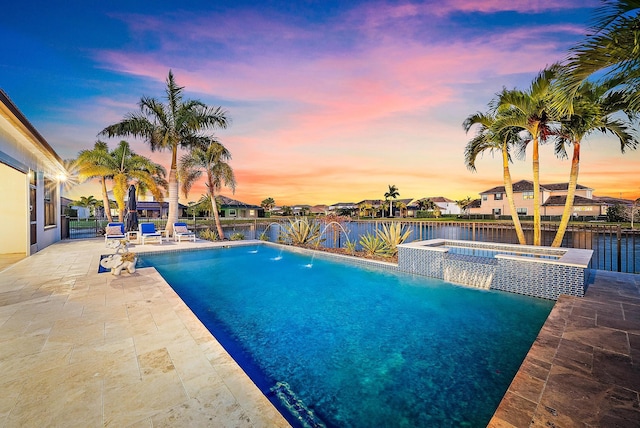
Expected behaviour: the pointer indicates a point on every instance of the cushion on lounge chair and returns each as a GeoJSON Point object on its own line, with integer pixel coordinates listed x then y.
{"type": "Point", "coordinates": [180, 229]}
{"type": "Point", "coordinates": [148, 229]}
{"type": "Point", "coordinates": [113, 230]}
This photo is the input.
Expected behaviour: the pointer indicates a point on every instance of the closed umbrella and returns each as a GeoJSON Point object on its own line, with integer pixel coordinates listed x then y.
{"type": "Point", "coordinates": [131, 222]}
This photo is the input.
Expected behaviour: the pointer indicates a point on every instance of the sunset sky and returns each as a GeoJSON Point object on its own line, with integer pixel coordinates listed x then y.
{"type": "Point", "coordinates": [330, 101]}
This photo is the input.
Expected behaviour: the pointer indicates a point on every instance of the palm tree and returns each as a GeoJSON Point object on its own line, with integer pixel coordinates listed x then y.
{"type": "Point", "coordinates": [463, 204]}
{"type": "Point", "coordinates": [87, 202]}
{"type": "Point", "coordinates": [209, 156]}
{"type": "Point", "coordinates": [592, 107]}
{"type": "Point", "coordinates": [530, 110]}
{"type": "Point", "coordinates": [402, 207]}
{"type": "Point", "coordinates": [169, 126]}
{"type": "Point", "coordinates": [611, 50]}
{"type": "Point", "coordinates": [127, 167]}
{"type": "Point", "coordinates": [268, 204]}
{"type": "Point", "coordinates": [427, 204]}
{"type": "Point", "coordinates": [392, 193]}
{"type": "Point", "coordinates": [488, 139]}
{"type": "Point", "coordinates": [92, 164]}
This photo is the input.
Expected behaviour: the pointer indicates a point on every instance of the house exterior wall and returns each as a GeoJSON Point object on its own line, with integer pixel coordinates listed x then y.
{"type": "Point", "coordinates": [449, 208]}
{"type": "Point", "coordinates": [494, 202]}
{"type": "Point", "coordinates": [232, 212]}
{"type": "Point", "coordinates": [27, 161]}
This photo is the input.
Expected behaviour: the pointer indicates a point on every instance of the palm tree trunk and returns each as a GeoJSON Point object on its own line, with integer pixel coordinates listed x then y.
{"type": "Point", "coordinates": [536, 194]}
{"type": "Point", "coordinates": [214, 204]}
{"type": "Point", "coordinates": [105, 200]}
{"type": "Point", "coordinates": [571, 191]}
{"type": "Point", "coordinates": [508, 187]}
{"type": "Point", "coordinates": [172, 215]}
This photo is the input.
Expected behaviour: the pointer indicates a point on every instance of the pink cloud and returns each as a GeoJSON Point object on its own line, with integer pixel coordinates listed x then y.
{"type": "Point", "coordinates": [309, 116]}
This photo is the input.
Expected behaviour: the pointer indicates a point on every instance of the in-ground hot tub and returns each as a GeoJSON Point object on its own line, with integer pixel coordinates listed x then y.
{"type": "Point", "coordinates": [524, 269]}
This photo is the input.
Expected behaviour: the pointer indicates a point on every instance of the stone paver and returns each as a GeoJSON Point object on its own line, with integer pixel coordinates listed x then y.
{"type": "Point", "coordinates": [78, 348]}
{"type": "Point", "coordinates": [586, 360]}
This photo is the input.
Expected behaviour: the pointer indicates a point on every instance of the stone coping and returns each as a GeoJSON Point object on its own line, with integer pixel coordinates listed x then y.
{"type": "Point", "coordinates": [569, 256]}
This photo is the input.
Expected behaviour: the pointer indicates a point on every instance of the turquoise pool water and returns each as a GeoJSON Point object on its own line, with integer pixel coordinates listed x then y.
{"type": "Point", "coordinates": [357, 347]}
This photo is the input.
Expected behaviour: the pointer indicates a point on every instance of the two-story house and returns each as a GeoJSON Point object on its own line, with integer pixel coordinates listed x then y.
{"type": "Point", "coordinates": [552, 197]}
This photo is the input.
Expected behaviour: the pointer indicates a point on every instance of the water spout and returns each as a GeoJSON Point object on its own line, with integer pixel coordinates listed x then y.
{"type": "Point", "coordinates": [342, 229]}
{"type": "Point", "coordinates": [263, 235]}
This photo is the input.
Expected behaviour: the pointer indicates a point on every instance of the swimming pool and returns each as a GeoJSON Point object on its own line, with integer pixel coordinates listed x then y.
{"type": "Point", "coordinates": [358, 347]}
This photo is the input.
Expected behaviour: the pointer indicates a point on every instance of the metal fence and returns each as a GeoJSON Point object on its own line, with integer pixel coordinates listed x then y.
{"type": "Point", "coordinates": [614, 248]}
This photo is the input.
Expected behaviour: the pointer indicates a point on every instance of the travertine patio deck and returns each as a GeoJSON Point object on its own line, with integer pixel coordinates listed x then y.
{"type": "Point", "coordinates": [78, 348]}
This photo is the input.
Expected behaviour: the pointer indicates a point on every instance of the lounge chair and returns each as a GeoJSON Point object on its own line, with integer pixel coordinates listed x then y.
{"type": "Point", "coordinates": [181, 232]}
{"type": "Point", "coordinates": [114, 231]}
{"type": "Point", "coordinates": [148, 231]}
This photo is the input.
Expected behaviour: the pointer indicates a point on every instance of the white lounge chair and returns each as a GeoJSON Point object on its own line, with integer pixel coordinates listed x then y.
{"type": "Point", "coordinates": [181, 232]}
{"type": "Point", "coordinates": [114, 231]}
{"type": "Point", "coordinates": [148, 232]}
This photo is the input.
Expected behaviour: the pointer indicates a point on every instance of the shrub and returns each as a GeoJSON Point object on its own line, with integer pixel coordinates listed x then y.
{"type": "Point", "coordinates": [393, 236]}
{"type": "Point", "coordinates": [373, 245]}
{"type": "Point", "coordinates": [238, 236]}
{"type": "Point", "coordinates": [209, 235]}
{"type": "Point", "coordinates": [301, 232]}
{"type": "Point", "coordinates": [350, 246]}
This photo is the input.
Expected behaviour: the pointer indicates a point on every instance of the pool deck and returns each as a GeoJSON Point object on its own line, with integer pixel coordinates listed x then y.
{"type": "Point", "coordinates": [82, 349]}
{"type": "Point", "coordinates": [583, 370]}
{"type": "Point", "coordinates": [78, 348]}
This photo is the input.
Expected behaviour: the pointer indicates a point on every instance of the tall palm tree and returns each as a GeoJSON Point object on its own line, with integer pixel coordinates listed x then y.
{"type": "Point", "coordinates": [530, 110]}
{"type": "Point", "coordinates": [127, 167]}
{"type": "Point", "coordinates": [392, 193]}
{"type": "Point", "coordinates": [593, 108]}
{"type": "Point", "coordinates": [210, 157]}
{"type": "Point", "coordinates": [612, 50]}
{"type": "Point", "coordinates": [92, 164]}
{"type": "Point", "coordinates": [488, 139]}
{"type": "Point", "coordinates": [167, 127]}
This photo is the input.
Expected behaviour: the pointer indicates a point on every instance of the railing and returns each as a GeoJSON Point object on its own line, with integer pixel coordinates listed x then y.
{"type": "Point", "coordinates": [614, 248]}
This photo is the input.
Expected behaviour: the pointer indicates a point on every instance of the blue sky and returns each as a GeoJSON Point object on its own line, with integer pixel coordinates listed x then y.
{"type": "Point", "coordinates": [330, 101]}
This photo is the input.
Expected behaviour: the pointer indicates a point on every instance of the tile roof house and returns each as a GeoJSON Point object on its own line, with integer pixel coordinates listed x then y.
{"type": "Point", "coordinates": [232, 208]}
{"type": "Point", "coordinates": [553, 197]}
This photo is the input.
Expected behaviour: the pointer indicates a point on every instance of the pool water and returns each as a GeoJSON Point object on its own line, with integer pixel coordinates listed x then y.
{"type": "Point", "coordinates": [481, 252]}
{"type": "Point", "coordinates": [357, 347]}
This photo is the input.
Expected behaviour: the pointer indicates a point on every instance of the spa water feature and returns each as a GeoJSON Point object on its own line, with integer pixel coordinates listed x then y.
{"type": "Point", "coordinates": [524, 269]}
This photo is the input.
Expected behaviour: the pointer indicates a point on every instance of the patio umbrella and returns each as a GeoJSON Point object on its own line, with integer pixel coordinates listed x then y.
{"type": "Point", "coordinates": [131, 219]}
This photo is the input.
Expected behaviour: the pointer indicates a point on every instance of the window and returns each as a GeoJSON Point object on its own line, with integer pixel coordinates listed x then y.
{"type": "Point", "coordinates": [497, 196]}
{"type": "Point", "coordinates": [252, 213]}
{"type": "Point", "coordinates": [527, 195]}
{"type": "Point", "coordinates": [232, 213]}
{"type": "Point", "coordinates": [484, 197]}
{"type": "Point", "coordinates": [521, 211]}
{"type": "Point", "coordinates": [497, 211]}
{"type": "Point", "coordinates": [49, 202]}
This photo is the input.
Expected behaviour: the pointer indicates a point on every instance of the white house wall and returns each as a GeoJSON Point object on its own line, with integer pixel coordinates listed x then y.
{"type": "Point", "coordinates": [22, 150]}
